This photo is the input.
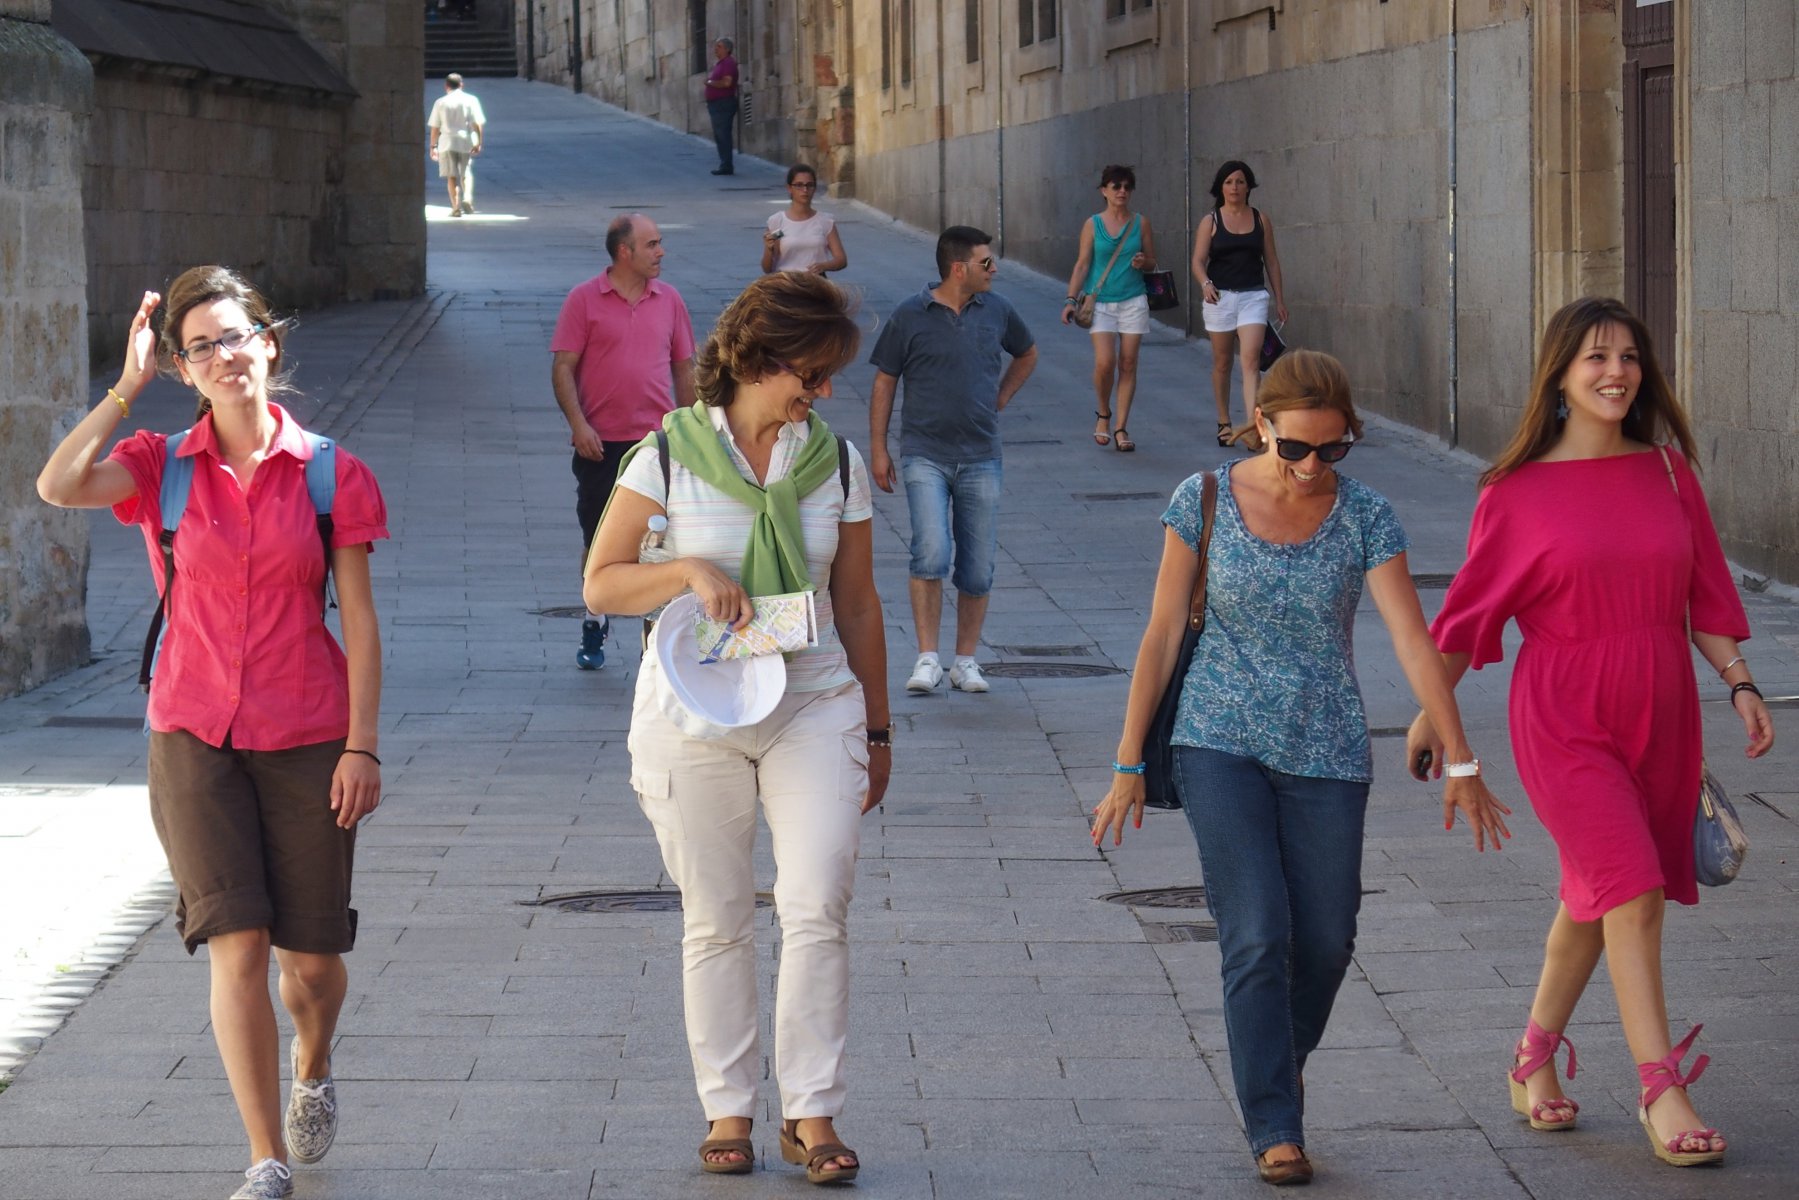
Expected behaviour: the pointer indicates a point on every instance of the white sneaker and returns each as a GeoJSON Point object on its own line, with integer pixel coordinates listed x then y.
{"type": "Point", "coordinates": [926, 675]}
{"type": "Point", "coordinates": [267, 1180]}
{"type": "Point", "coordinates": [310, 1124]}
{"type": "Point", "coordinates": [966, 676]}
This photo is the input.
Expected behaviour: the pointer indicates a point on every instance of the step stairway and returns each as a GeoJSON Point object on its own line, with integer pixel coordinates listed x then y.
{"type": "Point", "coordinates": [452, 45]}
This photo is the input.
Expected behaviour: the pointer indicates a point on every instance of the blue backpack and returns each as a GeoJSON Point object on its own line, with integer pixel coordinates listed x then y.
{"type": "Point", "coordinates": [178, 480]}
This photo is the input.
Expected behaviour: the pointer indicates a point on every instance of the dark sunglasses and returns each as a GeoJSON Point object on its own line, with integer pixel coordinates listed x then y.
{"type": "Point", "coordinates": [1294, 450]}
{"type": "Point", "coordinates": [810, 380]}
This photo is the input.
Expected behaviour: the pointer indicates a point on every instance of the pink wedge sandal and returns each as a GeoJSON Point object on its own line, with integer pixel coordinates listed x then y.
{"type": "Point", "coordinates": [1657, 1078]}
{"type": "Point", "coordinates": [1537, 1048]}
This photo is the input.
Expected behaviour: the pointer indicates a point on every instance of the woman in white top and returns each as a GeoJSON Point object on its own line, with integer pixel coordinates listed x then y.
{"type": "Point", "coordinates": [761, 499]}
{"type": "Point", "coordinates": [799, 237]}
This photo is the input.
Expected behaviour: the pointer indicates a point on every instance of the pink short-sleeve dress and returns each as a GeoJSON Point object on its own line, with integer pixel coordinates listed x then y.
{"type": "Point", "coordinates": [1599, 560]}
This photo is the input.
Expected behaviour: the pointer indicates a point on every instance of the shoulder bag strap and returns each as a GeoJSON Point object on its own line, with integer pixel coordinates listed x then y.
{"type": "Point", "coordinates": [1208, 508]}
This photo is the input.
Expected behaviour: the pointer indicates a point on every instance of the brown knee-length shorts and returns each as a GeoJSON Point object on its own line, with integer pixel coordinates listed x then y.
{"type": "Point", "coordinates": [253, 843]}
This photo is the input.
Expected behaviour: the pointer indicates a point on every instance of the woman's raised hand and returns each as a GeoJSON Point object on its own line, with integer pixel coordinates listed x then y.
{"type": "Point", "coordinates": [1479, 807]}
{"type": "Point", "coordinates": [140, 348]}
{"type": "Point", "coordinates": [1124, 800]}
{"type": "Point", "coordinates": [721, 597]}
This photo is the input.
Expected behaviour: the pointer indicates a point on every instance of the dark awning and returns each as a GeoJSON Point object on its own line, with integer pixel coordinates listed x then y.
{"type": "Point", "coordinates": [219, 37]}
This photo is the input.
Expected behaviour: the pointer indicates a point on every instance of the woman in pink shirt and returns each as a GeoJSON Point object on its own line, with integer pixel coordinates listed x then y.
{"type": "Point", "coordinates": [262, 729]}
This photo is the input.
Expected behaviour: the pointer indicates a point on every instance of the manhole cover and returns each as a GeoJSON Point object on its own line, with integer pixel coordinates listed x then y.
{"type": "Point", "coordinates": [1165, 933]}
{"type": "Point", "coordinates": [639, 900]}
{"type": "Point", "coordinates": [1032, 670]}
{"type": "Point", "coordinates": [1120, 495]}
{"type": "Point", "coordinates": [562, 610]}
{"type": "Point", "coordinates": [1046, 651]}
{"type": "Point", "coordinates": [1162, 897]}
{"type": "Point", "coordinates": [134, 723]}
{"type": "Point", "coordinates": [1427, 580]}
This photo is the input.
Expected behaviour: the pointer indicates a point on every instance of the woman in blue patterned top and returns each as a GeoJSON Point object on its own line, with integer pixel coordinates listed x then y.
{"type": "Point", "coordinates": [1271, 746]}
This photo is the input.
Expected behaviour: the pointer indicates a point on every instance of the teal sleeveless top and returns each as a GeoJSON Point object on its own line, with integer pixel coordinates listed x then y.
{"type": "Point", "coordinates": [1125, 282]}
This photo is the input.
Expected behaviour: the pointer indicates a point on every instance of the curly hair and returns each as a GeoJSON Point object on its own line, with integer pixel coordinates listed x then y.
{"type": "Point", "coordinates": [790, 319]}
{"type": "Point", "coordinates": [202, 285]}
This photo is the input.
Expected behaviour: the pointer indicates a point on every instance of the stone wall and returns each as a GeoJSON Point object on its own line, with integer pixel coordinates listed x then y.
{"type": "Point", "coordinates": [45, 94]}
{"type": "Point", "coordinates": [181, 172]}
{"type": "Point", "coordinates": [1744, 273]}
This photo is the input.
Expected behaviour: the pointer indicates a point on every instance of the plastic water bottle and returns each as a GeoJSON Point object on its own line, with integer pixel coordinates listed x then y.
{"type": "Point", "coordinates": [653, 549]}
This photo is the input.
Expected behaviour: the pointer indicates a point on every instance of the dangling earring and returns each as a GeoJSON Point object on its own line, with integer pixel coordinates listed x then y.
{"type": "Point", "coordinates": [1561, 408]}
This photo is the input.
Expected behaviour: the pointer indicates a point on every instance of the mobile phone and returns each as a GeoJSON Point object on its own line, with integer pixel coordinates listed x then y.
{"type": "Point", "coordinates": [1421, 764]}
{"type": "Point", "coordinates": [778, 234]}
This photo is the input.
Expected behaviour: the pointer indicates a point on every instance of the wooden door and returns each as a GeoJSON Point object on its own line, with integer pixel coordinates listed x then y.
{"type": "Point", "coordinates": [1649, 198]}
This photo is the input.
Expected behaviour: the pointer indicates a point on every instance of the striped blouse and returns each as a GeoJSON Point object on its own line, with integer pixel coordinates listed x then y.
{"type": "Point", "coordinates": [705, 523]}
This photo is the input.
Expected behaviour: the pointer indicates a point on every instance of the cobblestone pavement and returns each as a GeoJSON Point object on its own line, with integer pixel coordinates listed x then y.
{"type": "Point", "coordinates": [1013, 1034]}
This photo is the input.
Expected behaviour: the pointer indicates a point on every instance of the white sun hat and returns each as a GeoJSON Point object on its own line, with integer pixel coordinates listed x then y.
{"type": "Point", "coordinates": [707, 699]}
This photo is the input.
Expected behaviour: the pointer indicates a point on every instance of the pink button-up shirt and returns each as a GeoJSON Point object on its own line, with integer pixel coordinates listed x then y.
{"type": "Point", "coordinates": [624, 378]}
{"type": "Point", "coordinates": [245, 650]}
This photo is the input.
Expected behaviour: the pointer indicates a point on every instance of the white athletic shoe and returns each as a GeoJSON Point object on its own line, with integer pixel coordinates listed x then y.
{"type": "Point", "coordinates": [926, 675]}
{"type": "Point", "coordinates": [966, 676]}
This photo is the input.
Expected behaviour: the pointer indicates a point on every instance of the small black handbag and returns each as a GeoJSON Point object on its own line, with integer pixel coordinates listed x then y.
{"type": "Point", "coordinates": [1159, 287]}
{"type": "Point", "coordinates": [1158, 743]}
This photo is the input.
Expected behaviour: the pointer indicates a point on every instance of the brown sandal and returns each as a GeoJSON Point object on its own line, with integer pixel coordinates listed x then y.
{"type": "Point", "coordinates": [814, 1158]}
{"type": "Point", "coordinates": [714, 1145]}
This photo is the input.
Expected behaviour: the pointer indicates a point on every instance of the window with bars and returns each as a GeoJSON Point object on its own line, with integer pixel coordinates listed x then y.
{"type": "Point", "coordinates": [971, 29]}
{"type": "Point", "coordinates": [1036, 21]}
{"type": "Point", "coordinates": [699, 49]}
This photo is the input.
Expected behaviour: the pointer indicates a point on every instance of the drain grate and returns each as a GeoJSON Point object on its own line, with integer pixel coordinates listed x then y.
{"type": "Point", "coordinates": [133, 723]}
{"type": "Point", "coordinates": [1428, 580]}
{"type": "Point", "coordinates": [562, 610]}
{"type": "Point", "coordinates": [1166, 933]}
{"type": "Point", "coordinates": [1160, 897]}
{"type": "Point", "coordinates": [1102, 496]}
{"type": "Point", "coordinates": [625, 901]}
{"type": "Point", "coordinates": [1046, 651]}
{"type": "Point", "coordinates": [1035, 670]}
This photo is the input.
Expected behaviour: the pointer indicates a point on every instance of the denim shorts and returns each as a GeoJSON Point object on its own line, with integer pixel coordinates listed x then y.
{"type": "Point", "coordinates": [955, 512]}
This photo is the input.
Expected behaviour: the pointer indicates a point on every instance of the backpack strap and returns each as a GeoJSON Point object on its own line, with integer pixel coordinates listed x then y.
{"type": "Point", "coordinates": [177, 481]}
{"type": "Point", "coordinates": [321, 486]}
{"type": "Point", "coordinates": [662, 460]}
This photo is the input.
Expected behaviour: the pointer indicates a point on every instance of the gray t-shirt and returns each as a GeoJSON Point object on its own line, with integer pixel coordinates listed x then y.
{"type": "Point", "coordinates": [949, 366]}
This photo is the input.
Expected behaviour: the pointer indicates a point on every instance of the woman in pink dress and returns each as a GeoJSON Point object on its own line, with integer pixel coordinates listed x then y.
{"type": "Point", "coordinates": [1592, 531]}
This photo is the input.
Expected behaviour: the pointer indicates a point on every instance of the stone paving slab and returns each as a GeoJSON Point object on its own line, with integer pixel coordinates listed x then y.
{"type": "Point", "coordinates": [1011, 1035]}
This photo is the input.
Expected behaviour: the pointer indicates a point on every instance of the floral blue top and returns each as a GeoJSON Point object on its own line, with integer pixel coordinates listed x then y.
{"type": "Point", "coordinates": [1273, 677]}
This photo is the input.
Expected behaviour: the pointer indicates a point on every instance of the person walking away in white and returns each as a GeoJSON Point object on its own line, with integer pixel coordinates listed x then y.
{"type": "Point", "coordinates": [458, 131]}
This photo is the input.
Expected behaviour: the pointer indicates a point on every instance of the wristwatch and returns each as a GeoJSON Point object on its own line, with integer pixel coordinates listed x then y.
{"type": "Point", "coordinates": [1464, 770]}
{"type": "Point", "coordinates": [881, 737]}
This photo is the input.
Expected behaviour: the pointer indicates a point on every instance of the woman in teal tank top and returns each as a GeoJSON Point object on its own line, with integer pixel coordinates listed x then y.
{"type": "Point", "coordinates": [1116, 248]}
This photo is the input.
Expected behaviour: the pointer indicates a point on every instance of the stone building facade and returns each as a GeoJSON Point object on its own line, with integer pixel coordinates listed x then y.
{"type": "Point", "coordinates": [290, 150]}
{"type": "Point", "coordinates": [46, 91]}
{"type": "Point", "coordinates": [1442, 174]}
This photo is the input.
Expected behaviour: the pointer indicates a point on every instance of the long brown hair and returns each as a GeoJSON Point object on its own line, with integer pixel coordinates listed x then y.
{"type": "Point", "coordinates": [1304, 379]}
{"type": "Point", "coordinates": [787, 319]}
{"type": "Point", "coordinates": [202, 285]}
{"type": "Point", "coordinates": [1654, 418]}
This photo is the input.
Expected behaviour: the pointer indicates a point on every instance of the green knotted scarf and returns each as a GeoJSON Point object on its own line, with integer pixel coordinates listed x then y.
{"type": "Point", "coordinates": [774, 561]}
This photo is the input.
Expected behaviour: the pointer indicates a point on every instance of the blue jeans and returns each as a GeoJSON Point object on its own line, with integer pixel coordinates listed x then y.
{"type": "Point", "coordinates": [724, 124]}
{"type": "Point", "coordinates": [954, 508]}
{"type": "Point", "coordinates": [1282, 857]}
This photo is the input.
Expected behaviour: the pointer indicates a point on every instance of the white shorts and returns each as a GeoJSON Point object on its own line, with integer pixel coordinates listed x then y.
{"type": "Point", "coordinates": [1124, 316]}
{"type": "Point", "coordinates": [1235, 310]}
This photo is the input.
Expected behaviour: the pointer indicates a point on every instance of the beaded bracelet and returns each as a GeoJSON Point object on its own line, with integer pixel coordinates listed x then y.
{"type": "Point", "coordinates": [1124, 770]}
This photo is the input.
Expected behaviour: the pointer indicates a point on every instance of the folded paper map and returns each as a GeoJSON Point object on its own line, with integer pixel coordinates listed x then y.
{"type": "Point", "coordinates": [782, 624]}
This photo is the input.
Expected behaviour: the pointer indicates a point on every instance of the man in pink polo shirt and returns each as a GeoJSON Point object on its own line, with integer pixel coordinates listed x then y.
{"type": "Point", "coordinates": [622, 356]}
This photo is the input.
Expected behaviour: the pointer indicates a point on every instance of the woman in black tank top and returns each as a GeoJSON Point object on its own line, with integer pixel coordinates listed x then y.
{"type": "Point", "coordinates": [1232, 252]}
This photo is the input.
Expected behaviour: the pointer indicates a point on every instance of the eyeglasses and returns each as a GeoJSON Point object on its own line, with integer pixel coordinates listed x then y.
{"type": "Point", "coordinates": [1294, 450]}
{"type": "Point", "coordinates": [810, 380]}
{"type": "Point", "coordinates": [807, 186]}
{"type": "Point", "coordinates": [234, 341]}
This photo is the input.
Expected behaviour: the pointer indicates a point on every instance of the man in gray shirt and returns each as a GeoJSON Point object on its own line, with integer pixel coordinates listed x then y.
{"type": "Point", "coordinates": [947, 344]}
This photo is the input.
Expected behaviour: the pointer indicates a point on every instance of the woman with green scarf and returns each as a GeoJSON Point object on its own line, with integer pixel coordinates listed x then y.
{"type": "Point", "coordinates": [757, 505]}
